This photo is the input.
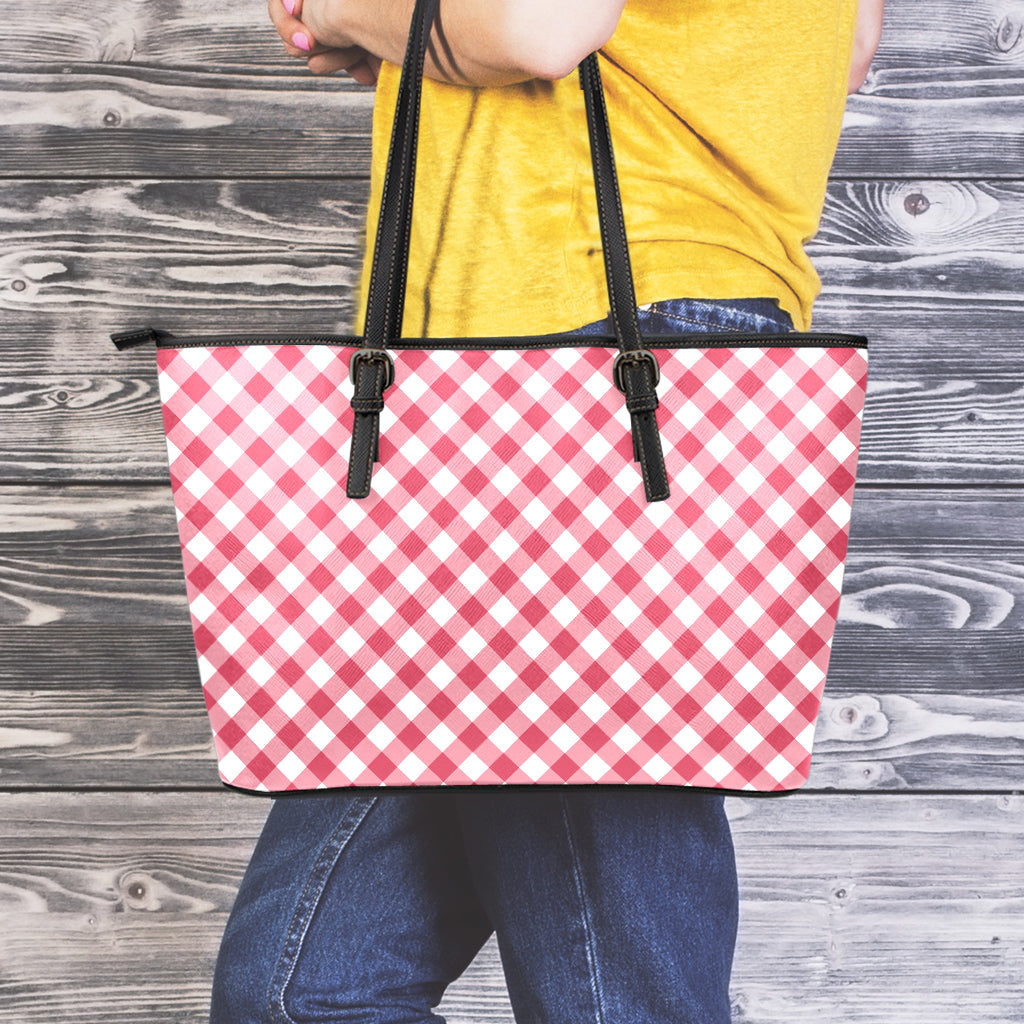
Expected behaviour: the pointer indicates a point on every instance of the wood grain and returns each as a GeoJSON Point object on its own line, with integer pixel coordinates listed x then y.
{"type": "Point", "coordinates": [113, 905]}
{"type": "Point", "coordinates": [931, 240]}
{"type": "Point", "coordinates": [916, 123]}
{"type": "Point", "coordinates": [931, 34]}
{"type": "Point", "coordinates": [112, 555]}
{"type": "Point", "coordinates": [100, 685]}
{"type": "Point", "coordinates": [921, 428]}
{"type": "Point", "coordinates": [169, 33]}
{"type": "Point", "coordinates": [918, 559]}
{"type": "Point", "coordinates": [131, 249]}
{"type": "Point", "coordinates": [101, 707]}
{"type": "Point", "coordinates": [932, 104]}
{"type": "Point", "coordinates": [119, 120]}
{"type": "Point", "coordinates": [82, 258]}
{"type": "Point", "coordinates": [113, 908]}
{"type": "Point", "coordinates": [138, 248]}
{"type": "Point", "coordinates": [901, 933]}
{"type": "Point", "coordinates": [939, 34]}
{"type": "Point", "coordinates": [226, 190]}
{"type": "Point", "coordinates": [912, 336]}
{"type": "Point", "coordinates": [123, 119]}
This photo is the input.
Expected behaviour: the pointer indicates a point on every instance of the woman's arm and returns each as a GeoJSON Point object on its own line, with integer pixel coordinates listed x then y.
{"type": "Point", "coordinates": [865, 43]}
{"type": "Point", "coordinates": [477, 42]}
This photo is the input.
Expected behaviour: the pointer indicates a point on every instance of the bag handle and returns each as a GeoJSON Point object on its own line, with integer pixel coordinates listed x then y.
{"type": "Point", "coordinates": [635, 368]}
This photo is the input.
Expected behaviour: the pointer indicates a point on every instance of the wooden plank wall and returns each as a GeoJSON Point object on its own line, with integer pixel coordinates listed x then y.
{"type": "Point", "coordinates": [162, 160]}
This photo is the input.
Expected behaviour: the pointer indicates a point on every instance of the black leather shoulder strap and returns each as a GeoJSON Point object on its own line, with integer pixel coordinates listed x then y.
{"type": "Point", "coordinates": [635, 369]}
{"type": "Point", "coordinates": [372, 368]}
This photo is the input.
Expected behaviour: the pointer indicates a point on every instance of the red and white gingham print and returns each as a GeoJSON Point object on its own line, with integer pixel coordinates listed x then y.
{"type": "Point", "coordinates": [506, 607]}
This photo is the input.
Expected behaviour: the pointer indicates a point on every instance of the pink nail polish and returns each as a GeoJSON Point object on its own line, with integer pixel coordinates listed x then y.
{"type": "Point", "coordinates": [301, 40]}
{"type": "Point", "coordinates": [289, 6]}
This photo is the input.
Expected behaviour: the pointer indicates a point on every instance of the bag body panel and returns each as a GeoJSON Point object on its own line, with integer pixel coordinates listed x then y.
{"type": "Point", "coordinates": [505, 607]}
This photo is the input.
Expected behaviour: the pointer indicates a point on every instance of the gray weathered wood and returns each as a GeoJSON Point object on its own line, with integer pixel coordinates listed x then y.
{"type": "Point", "coordinates": [937, 34]}
{"type": "Point", "coordinates": [913, 335]}
{"type": "Point", "coordinates": [918, 558]}
{"type": "Point", "coordinates": [91, 549]}
{"type": "Point", "coordinates": [170, 33]}
{"type": "Point", "coordinates": [923, 239]}
{"type": "Point", "coordinates": [113, 906]}
{"type": "Point", "coordinates": [887, 907]}
{"type": "Point", "coordinates": [99, 693]}
{"type": "Point", "coordinates": [131, 249]}
{"type": "Point", "coordinates": [916, 896]}
{"type": "Point", "coordinates": [112, 252]}
{"type": "Point", "coordinates": [920, 428]}
{"type": "Point", "coordinates": [931, 34]}
{"type": "Point", "coordinates": [957, 123]}
{"type": "Point", "coordinates": [119, 119]}
{"type": "Point", "coordinates": [102, 707]}
{"type": "Point", "coordinates": [82, 257]}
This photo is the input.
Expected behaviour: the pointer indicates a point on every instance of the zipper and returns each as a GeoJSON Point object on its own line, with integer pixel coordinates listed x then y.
{"type": "Point", "coordinates": [164, 339]}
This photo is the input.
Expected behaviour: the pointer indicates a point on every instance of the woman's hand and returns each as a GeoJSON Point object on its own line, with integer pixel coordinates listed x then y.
{"type": "Point", "coordinates": [325, 49]}
{"type": "Point", "coordinates": [474, 42]}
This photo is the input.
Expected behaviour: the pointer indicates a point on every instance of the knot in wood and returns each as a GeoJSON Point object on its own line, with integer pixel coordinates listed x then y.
{"type": "Point", "coordinates": [136, 890]}
{"type": "Point", "coordinates": [916, 204]}
{"type": "Point", "coordinates": [739, 1008]}
{"type": "Point", "coordinates": [848, 714]}
{"type": "Point", "coordinates": [19, 286]}
{"type": "Point", "coordinates": [1008, 34]}
{"type": "Point", "coordinates": [111, 118]}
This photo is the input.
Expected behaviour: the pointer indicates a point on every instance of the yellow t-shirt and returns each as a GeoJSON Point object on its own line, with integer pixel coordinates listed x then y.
{"type": "Point", "coordinates": [725, 116]}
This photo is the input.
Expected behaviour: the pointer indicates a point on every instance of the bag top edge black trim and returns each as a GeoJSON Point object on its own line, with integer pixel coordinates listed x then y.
{"type": "Point", "coordinates": [131, 339]}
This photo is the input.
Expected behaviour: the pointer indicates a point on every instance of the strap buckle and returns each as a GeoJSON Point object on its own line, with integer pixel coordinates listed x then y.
{"type": "Point", "coordinates": [637, 355]}
{"type": "Point", "coordinates": [370, 355]}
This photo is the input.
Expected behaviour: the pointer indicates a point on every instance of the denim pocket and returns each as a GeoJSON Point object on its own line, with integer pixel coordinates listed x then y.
{"type": "Point", "coordinates": [742, 316]}
{"type": "Point", "coordinates": [696, 316]}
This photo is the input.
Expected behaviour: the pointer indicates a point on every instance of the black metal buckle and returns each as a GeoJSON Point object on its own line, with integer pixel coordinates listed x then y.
{"type": "Point", "coordinates": [370, 354]}
{"type": "Point", "coordinates": [637, 355]}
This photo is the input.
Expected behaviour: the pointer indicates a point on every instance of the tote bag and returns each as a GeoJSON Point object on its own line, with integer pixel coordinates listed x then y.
{"type": "Point", "coordinates": [600, 559]}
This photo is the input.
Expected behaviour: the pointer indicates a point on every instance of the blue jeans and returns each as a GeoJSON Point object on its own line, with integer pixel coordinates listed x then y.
{"type": "Point", "coordinates": [611, 904]}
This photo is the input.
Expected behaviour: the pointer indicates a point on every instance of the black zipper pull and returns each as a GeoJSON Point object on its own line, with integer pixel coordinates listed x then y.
{"type": "Point", "coordinates": [142, 336]}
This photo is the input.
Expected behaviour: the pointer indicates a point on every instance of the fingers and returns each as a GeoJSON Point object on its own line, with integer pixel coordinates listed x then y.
{"type": "Point", "coordinates": [353, 60]}
{"type": "Point", "coordinates": [297, 39]}
{"type": "Point", "coordinates": [321, 60]}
